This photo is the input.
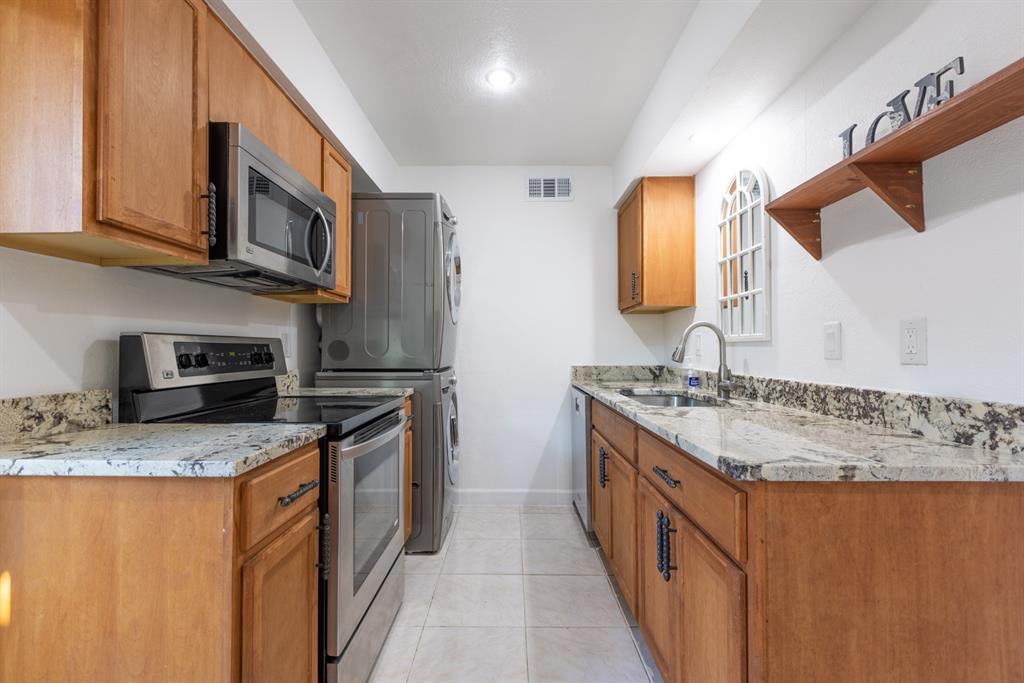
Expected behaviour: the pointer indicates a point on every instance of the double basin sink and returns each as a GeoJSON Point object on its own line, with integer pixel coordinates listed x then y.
{"type": "Point", "coordinates": [670, 400]}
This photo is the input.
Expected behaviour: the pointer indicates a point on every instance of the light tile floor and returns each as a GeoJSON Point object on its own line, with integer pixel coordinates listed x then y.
{"type": "Point", "coordinates": [516, 595]}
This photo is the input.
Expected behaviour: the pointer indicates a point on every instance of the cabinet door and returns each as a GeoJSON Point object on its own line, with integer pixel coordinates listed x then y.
{"type": "Point", "coordinates": [713, 615]}
{"type": "Point", "coordinates": [659, 576]}
{"type": "Point", "coordinates": [152, 115]}
{"type": "Point", "coordinates": [601, 500]}
{"type": "Point", "coordinates": [337, 184]}
{"type": "Point", "coordinates": [279, 608]}
{"type": "Point", "coordinates": [623, 480]}
{"type": "Point", "coordinates": [240, 90]}
{"type": "Point", "coordinates": [631, 250]}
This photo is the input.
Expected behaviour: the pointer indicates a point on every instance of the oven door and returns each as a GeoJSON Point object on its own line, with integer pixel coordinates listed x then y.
{"type": "Point", "coordinates": [365, 497]}
{"type": "Point", "coordinates": [281, 223]}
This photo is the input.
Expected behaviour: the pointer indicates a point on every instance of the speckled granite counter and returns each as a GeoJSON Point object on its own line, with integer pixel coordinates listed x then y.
{"type": "Point", "coordinates": [155, 450]}
{"type": "Point", "coordinates": [755, 441]}
{"type": "Point", "coordinates": [151, 450]}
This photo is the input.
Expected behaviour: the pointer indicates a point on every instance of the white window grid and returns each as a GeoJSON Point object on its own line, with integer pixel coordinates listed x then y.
{"type": "Point", "coordinates": [743, 261]}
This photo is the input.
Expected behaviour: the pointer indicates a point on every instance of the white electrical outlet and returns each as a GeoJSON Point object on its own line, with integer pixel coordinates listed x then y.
{"type": "Point", "coordinates": [286, 344]}
{"type": "Point", "coordinates": [698, 345]}
{"type": "Point", "coordinates": [914, 341]}
{"type": "Point", "coordinates": [833, 341]}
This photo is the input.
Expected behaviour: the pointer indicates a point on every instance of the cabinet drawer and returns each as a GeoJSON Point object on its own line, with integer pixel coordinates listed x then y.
{"type": "Point", "coordinates": [262, 508]}
{"type": "Point", "coordinates": [617, 430]}
{"type": "Point", "coordinates": [718, 508]}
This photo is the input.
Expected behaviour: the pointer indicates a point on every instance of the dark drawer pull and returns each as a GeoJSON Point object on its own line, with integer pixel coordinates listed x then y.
{"type": "Point", "coordinates": [665, 476]}
{"type": "Point", "coordinates": [285, 501]}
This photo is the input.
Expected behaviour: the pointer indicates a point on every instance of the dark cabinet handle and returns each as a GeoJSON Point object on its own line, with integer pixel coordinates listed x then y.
{"type": "Point", "coordinates": [664, 546]}
{"type": "Point", "coordinates": [602, 468]}
{"type": "Point", "coordinates": [325, 546]}
{"type": "Point", "coordinates": [665, 476]}
{"type": "Point", "coordinates": [211, 213]}
{"type": "Point", "coordinates": [285, 501]}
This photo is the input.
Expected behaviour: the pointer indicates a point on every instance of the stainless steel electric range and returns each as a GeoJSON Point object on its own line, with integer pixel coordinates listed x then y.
{"type": "Point", "coordinates": [232, 380]}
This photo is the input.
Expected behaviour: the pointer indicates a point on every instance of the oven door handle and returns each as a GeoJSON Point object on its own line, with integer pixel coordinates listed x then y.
{"type": "Point", "coordinates": [350, 451]}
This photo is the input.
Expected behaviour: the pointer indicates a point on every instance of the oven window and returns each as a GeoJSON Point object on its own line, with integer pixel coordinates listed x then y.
{"type": "Point", "coordinates": [377, 507]}
{"type": "Point", "coordinates": [281, 223]}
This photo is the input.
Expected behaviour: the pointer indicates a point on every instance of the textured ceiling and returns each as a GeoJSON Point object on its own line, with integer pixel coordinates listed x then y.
{"type": "Point", "coordinates": [583, 70]}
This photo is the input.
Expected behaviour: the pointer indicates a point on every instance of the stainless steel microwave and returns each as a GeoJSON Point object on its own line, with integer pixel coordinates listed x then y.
{"type": "Point", "coordinates": [270, 229]}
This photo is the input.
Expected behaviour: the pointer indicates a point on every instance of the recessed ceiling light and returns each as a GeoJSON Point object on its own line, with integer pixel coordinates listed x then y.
{"type": "Point", "coordinates": [500, 79]}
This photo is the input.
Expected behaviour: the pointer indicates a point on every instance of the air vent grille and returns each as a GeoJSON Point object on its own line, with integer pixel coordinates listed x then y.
{"type": "Point", "coordinates": [333, 463]}
{"type": "Point", "coordinates": [549, 189]}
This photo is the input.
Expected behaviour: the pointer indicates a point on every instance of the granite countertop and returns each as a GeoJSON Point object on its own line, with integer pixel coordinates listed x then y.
{"type": "Point", "coordinates": [168, 450]}
{"type": "Point", "coordinates": [755, 441]}
{"type": "Point", "coordinates": [155, 450]}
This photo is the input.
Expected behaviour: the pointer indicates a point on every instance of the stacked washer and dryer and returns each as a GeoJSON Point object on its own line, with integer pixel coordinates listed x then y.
{"type": "Point", "coordinates": [399, 330]}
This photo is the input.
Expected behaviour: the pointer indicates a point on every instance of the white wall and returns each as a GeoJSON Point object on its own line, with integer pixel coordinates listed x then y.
{"type": "Point", "coordinates": [60, 320]}
{"type": "Point", "coordinates": [284, 36]}
{"type": "Point", "coordinates": [539, 295]}
{"type": "Point", "coordinates": [965, 273]}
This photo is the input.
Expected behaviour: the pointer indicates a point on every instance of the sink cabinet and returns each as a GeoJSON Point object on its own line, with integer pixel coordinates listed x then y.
{"type": "Point", "coordinates": [777, 582]}
{"type": "Point", "coordinates": [121, 579]}
{"type": "Point", "coordinates": [656, 238]}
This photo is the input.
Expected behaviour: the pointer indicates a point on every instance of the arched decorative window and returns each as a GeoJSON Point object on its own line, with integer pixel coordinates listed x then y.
{"type": "Point", "coordinates": [744, 259]}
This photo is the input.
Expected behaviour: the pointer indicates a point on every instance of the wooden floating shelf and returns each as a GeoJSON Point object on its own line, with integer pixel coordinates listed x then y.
{"type": "Point", "coordinates": [891, 167]}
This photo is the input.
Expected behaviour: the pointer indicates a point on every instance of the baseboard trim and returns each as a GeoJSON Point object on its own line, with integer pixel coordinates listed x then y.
{"type": "Point", "coordinates": [484, 497]}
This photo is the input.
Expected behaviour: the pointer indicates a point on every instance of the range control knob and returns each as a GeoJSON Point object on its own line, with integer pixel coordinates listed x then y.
{"type": "Point", "coordinates": [201, 360]}
{"type": "Point", "coordinates": [184, 361]}
{"type": "Point", "coordinates": [256, 358]}
{"type": "Point", "coordinates": [268, 358]}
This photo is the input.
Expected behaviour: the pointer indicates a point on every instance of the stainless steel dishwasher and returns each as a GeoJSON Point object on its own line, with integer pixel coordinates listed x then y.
{"type": "Point", "coordinates": [581, 456]}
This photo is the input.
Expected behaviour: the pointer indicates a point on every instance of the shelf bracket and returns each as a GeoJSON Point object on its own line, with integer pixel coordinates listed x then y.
{"type": "Point", "coordinates": [899, 185]}
{"type": "Point", "coordinates": [804, 225]}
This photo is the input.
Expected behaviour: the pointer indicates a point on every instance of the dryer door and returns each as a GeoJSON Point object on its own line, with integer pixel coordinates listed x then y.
{"type": "Point", "coordinates": [451, 437]}
{"type": "Point", "coordinates": [453, 276]}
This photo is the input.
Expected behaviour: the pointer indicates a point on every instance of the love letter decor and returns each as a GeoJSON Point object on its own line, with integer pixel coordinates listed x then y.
{"type": "Point", "coordinates": [899, 114]}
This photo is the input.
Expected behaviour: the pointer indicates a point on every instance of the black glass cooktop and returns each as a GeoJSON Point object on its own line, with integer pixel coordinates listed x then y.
{"type": "Point", "coordinates": [340, 412]}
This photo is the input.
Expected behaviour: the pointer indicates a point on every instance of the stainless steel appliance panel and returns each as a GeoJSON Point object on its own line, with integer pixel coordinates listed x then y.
{"type": "Point", "coordinates": [406, 287]}
{"type": "Point", "coordinates": [581, 426]}
{"type": "Point", "coordinates": [365, 485]}
{"type": "Point", "coordinates": [434, 481]}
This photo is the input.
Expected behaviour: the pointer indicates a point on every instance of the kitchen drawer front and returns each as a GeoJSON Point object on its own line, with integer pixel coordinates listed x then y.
{"type": "Point", "coordinates": [718, 508]}
{"type": "Point", "coordinates": [279, 494]}
{"type": "Point", "coordinates": [617, 430]}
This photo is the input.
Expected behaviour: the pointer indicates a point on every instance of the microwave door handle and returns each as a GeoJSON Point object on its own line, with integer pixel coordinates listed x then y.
{"type": "Point", "coordinates": [351, 452]}
{"type": "Point", "coordinates": [327, 240]}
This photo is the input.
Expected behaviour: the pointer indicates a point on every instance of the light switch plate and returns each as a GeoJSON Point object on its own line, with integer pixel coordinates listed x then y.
{"type": "Point", "coordinates": [833, 341]}
{"type": "Point", "coordinates": [914, 341]}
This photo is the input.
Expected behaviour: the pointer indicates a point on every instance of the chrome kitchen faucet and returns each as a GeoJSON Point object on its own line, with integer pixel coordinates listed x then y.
{"type": "Point", "coordinates": [725, 383]}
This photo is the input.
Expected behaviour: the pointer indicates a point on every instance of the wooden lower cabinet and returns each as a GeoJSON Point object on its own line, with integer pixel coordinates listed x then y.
{"type": "Point", "coordinates": [804, 582]}
{"type": "Point", "coordinates": [623, 482]}
{"type": "Point", "coordinates": [659, 578]}
{"type": "Point", "coordinates": [601, 494]}
{"type": "Point", "coordinates": [279, 608]}
{"type": "Point", "coordinates": [712, 632]}
{"type": "Point", "coordinates": [151, 579]}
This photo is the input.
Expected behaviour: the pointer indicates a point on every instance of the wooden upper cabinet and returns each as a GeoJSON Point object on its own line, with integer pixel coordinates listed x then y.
{"type": "Point", "coordinates": [151, 115]}
{"type": "Point", "coordinates": [103, 130]}
{"type": "Point", "coordinates": [241, 91]}
{"type": "Point", "coordinates": [279, 608]}
{"type": "Point", "coordinates": [656, 246]}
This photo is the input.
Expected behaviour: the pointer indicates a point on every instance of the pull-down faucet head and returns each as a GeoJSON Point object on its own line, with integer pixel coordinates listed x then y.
{"type": "Point", "coordinates": [725, 383]}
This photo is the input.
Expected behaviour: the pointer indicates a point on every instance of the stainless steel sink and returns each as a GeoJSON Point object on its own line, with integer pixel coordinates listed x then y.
{"type": "Point", "coordinates": [668, 400]}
